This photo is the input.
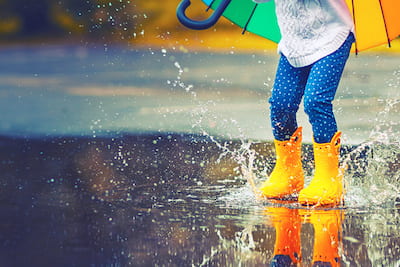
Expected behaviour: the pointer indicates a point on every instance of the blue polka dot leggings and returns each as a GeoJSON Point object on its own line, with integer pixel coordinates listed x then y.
{"type": "Point", "coordinates": [317, 84]}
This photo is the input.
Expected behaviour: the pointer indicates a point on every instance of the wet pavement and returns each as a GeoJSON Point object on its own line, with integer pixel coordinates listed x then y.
{"type": "Point", "coordinates": [171, 200]}
{"type": "Point", "coordinates": [125, 157]}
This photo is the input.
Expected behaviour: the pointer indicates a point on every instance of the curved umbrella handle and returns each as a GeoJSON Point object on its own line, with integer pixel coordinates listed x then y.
{"type": "Point", "coordinates": [200, 25]}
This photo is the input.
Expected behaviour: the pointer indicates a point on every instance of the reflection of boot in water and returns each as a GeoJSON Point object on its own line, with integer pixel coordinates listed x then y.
{"type": "Point", "coordinates": [287, 241]}
{"type": "Point", "coordinates": [327, 232]}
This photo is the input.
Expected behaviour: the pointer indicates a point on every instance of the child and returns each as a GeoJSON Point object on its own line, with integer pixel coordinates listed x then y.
{"type": "Point", "coordinates": [316, 39]}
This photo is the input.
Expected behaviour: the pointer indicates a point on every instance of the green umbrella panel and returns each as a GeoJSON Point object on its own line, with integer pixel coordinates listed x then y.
{"type": "Point", "coordinates": [256, 18]}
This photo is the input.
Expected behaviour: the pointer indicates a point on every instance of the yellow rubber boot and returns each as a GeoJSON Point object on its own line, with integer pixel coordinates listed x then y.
{"type": "Point", "coordinates": [287, 224]}
{"type": "Point", "coordinates": [326, 188]}
{"type": "Point", "coordinates": [287, 177]}
{"type": "Point", "coordinates": [327, 237]}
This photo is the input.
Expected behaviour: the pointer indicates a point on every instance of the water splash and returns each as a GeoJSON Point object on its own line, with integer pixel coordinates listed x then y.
{"type": "Point", "coordinates": [374, 165]}
{"type": "Point", "coordinates": [240, 151]}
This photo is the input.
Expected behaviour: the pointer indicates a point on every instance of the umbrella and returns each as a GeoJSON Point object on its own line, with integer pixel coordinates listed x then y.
{"type": "Point", "coordinates": [256, 18]}
{"type": "Point", "coordinates": [376, 21]}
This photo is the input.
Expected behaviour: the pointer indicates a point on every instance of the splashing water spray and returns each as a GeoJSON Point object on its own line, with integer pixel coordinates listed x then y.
{"type": "Point", "coordinates": [373, 169]}
{"type": "Point", "coordinates": [244, 155]}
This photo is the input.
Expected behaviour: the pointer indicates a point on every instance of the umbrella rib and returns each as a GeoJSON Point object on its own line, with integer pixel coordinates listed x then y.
{"type": "Point", "coordinates": [209, 6]}
{"type": "Point", "coordinates": [248, 20]}
{"type": "Point", "coordinates": [384, 22]}
{"type": "Point", "coordinates": [355, 27]}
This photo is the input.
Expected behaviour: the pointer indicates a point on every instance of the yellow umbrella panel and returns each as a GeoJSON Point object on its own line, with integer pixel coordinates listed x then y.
{"type": "Point", "coordinates": [376, 22]}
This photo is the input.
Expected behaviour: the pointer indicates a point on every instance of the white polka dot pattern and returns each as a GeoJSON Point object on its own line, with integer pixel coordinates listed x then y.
{"type": "Point", "coordinates": [316, 84]}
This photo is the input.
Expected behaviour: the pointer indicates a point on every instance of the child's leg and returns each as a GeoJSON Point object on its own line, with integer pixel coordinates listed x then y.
{"type": "Point", "coordinates": [286, 97]}
{"type": "Point", "coordinates": [287, 176]}
{"type": "Point", "coordinates": [326, 187]}
{"type": "Point", "coordinates": [320, 91]}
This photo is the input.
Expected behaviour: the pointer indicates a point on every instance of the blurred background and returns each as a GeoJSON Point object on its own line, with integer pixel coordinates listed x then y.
{"type": "Point", "coordinates": [122, 21]}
